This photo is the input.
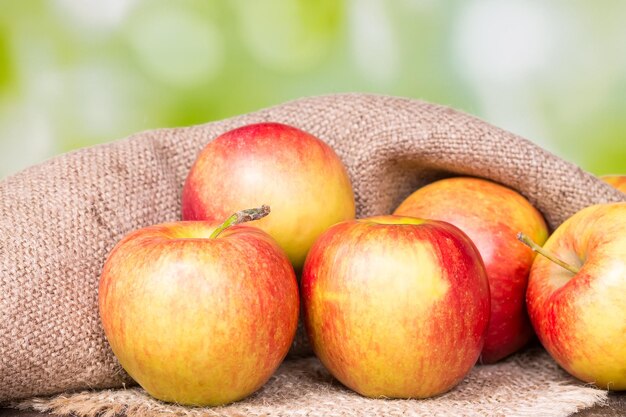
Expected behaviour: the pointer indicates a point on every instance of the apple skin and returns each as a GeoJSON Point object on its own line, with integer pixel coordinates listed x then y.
{"type": "Point", "coordinates": [199, 321]}
{"type": "Point", "coordinates": [491, 215]}
{"type": "Point", "coordinates": [617, 181]}
{"type": "Point", "coordinates": [581, 319]}
{"type": "Point", "coordinates": [395, 307]}
{"type": "Point", "coordinates": [295, 173]}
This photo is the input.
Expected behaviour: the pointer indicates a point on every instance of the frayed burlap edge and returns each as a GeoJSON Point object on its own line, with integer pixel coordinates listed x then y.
{"type": "Point", "coordinates": [527, 384]}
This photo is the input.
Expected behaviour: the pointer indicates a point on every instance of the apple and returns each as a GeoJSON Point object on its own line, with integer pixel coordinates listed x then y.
{"type": "Point", "coordinates": [617, 181]}
{"type": "Point", "coordinates": [394, 306]}
{"type": "Point", "coordinates": [577, 304]}
{"type": "Point", "coordinates": [198, 313]}
{"type": "Point", "coordinates": [491, 215]}
{"type": "Point", "coordinates": [297, 174]}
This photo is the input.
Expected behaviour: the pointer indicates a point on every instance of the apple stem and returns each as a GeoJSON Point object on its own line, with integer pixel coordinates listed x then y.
{"type": "Point", "coordinates": [242, 217]}
{"type": "Point", "coordinates": [535, 247]}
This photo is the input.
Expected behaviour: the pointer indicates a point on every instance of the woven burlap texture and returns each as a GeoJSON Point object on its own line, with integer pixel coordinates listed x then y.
{"type": "Point", "coordinates": [528, 384]}
{"type": "Point", "coordinates": [59, 220]}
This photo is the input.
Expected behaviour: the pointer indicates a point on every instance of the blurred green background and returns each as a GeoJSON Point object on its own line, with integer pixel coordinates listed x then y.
{"type": "Point", "coordinates": [79, 72]}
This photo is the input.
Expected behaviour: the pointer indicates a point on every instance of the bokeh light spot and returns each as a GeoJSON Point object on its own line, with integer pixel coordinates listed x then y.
{"type": "Point", "coordinates": [373, 43]}
{"type": "Point", "coordinates": [94, 14]}
{"type": "Point", "coordinates": [503, 41]}
{"type": "Point", "coordinates": [175, 46]}
{"type": "Point", "coordinates": [288, 35]}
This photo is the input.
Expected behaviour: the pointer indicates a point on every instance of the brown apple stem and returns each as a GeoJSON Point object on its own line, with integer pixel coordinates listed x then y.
{"type": "Point", "coordinates": [535, 247]}
{"type": "Point", "coordinates": [242, 216]}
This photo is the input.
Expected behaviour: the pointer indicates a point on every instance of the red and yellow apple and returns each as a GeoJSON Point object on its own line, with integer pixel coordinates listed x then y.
{"type": "Point", "coordinates": [491, 215]}
{"type": "Point", "coordinates": [395, 306]}
{"type": "Point", "coordinates": [295, 173]}
{"type": "Point", "coordinates": [617, 181]}
{"type": "Point", "coordinates": [580, 315]}
{"type": "Point", "coordinates": [195, 319]}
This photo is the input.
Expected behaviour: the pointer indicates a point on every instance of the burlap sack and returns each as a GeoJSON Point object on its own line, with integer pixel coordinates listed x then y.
{"type": "Point", "coordinates": [59, 220]}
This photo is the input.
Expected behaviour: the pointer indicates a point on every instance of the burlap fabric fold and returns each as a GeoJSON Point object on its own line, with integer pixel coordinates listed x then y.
{"type": "Point", "coordinates": [59, 220]}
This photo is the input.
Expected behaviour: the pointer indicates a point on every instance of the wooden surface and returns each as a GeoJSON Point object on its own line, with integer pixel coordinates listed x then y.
{"type": "Point", "coordinates": [615, 408]}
